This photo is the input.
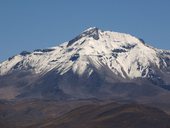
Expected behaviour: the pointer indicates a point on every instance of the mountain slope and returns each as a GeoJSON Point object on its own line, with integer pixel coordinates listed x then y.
{"type": "Point", "coordinates": [95, 64]}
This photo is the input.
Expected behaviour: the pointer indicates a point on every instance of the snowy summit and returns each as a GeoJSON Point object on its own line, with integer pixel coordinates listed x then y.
{"type": "Point", "coordinates": [122, 54]}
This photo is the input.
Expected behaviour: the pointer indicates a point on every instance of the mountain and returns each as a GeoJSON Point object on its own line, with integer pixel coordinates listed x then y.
{"type": "Point", "coordinates": [95, 64]}
{"type": "Point", "coordinates": [98, 79]}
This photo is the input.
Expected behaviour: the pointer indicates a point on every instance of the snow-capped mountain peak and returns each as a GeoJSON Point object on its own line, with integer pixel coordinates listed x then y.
{"type": "Point", "coordinates": [124, 55]}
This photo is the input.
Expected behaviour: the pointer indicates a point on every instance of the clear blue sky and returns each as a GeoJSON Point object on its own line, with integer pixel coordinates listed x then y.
{"type": "Point", "coordinates": [32, 24]}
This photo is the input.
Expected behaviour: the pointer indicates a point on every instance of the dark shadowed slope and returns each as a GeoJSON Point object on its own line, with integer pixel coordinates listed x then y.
{"type": "Point", "coordinates": [110, 116]}
{"type": "Point", "coordinates": [77, 114]}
